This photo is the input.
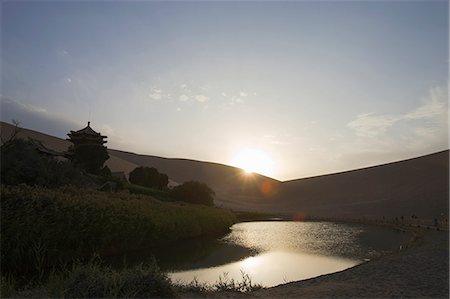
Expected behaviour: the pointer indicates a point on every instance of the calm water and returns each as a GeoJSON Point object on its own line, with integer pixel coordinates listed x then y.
{"type": "Point", "coordinates": [275, 252]}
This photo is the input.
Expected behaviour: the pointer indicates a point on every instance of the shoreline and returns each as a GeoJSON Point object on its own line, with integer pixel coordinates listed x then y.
{"type": "Point", "coordinates": [420, 270]}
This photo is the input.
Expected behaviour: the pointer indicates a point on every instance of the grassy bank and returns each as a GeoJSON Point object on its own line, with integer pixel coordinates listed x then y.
{"type": "Point", "coordinates": [158, 194]}
{"type": "Point", "coordinates": [42, 228]}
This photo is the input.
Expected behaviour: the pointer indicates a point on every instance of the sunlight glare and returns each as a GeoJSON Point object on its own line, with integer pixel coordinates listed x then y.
{"type": "Point", "coordinates": [254, 160]}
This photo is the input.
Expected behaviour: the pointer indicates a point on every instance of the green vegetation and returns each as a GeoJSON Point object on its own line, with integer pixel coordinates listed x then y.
{"type": "Point", "coordinates": [191, 192]}
{"type": "Point", "coordinates": [53, 222]}
{"type": "Point", "coordinates": [90, 157]}
{"type": "Point", "coordinates": [22, 163]}
{"type": "Point", "coordinates": [194, 192]}
{"type": "Point", "coordinates": [42, 227]}
{"type": "Point", "coordinates": [158, 194]}
{"type": "Point", "coordinates": [149, 177]}
{"type": "Point", "coordinates": [223, 284]}
{"type": "Point", "coordinates": [96, 280]}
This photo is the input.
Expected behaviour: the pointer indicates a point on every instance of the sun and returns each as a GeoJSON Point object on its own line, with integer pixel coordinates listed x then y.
{"type": "Point", "coordinates": [254, 160]}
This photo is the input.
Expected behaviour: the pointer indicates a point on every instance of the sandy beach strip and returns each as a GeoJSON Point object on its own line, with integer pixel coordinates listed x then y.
{"type": "Point", "coordinates": [421, 271]}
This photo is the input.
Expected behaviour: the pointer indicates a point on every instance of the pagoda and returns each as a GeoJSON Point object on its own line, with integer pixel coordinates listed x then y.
{"type": "Point", "coordinates": [86, 136]}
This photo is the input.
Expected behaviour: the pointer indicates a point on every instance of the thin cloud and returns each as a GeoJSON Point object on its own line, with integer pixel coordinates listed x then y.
{"type": "Point", "coordinates": [201, 98]}
{"type": "Point", "coordinates": [434, 108]}
{"type": "Point", "coordinates": [183, 98]}
{"type": "Point", "coordinates": [155, 94]}
{"type": "Point", "coordinates": [435, 105]}
{"type": "Point", "coordinates": [184, 88]}
{"type": "Point", "coordinates": [23, 106]}
{"type": "Point", "coordinates": [371, 125]}
{"type": "Point", "coordinates": [62, 53]}
{"type": "Point", "coordinates": [35, 117]}
{"type": "Point", "coordinates": [236, 100]}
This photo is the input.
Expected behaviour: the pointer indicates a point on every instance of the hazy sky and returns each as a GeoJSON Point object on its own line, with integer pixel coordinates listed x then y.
{"type": "Point", "coordinates": [314, 87]}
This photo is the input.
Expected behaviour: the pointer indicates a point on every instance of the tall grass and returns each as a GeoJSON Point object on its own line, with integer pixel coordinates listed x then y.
{"type": "Point", "coordinates": [158, 194]}
{"type": "Point", "coordinates": [95, 280]}
{"type": "Point", "coordinates": [222, 284]}
{"type": "Point", "coordinates": [43, 228]}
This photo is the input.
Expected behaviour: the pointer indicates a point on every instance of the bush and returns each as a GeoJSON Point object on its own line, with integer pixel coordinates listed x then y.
{"type": "Point", "coordinates": [21, 163]}
{"type": "Point", "coordinates": [194, 192]}
{"type": "Point", "coordinates": [148, 177]}
{"type": "Point", "coordinates": [162, 195]}
{"type": "Point", "coordinates": [90, 157]}
{"type": "Point", "coordinates": [95, 280]}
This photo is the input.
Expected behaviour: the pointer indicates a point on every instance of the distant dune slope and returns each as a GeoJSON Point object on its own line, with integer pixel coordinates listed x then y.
{"type": "Point", "coordinates": [415, 186]}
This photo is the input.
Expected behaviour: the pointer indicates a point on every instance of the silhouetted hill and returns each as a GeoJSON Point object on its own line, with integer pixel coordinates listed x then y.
{"type": "Point", "coordinates": [414, 186]}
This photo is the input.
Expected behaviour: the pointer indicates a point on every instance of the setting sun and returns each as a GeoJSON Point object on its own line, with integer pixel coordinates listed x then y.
{"type": "Point", "coordinates": [254, 160]}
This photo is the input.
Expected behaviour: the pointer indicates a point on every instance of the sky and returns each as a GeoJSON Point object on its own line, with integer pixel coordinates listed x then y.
{"type": "Point", "coordinates": [297, 88]}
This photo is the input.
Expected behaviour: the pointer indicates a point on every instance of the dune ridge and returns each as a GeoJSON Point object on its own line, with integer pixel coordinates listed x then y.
{"type": "Point", "coordinates": [416, 186]}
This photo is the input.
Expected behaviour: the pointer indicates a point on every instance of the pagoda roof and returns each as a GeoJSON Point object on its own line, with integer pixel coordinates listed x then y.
{"type": "Point", "coordinates": [86, 131]}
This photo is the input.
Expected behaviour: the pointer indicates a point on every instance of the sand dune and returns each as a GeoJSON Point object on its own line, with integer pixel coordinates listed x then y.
{"type": "Point", "coordinates": [415, 186]}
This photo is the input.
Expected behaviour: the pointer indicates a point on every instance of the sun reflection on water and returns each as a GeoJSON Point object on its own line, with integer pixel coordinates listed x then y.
{"type": "Point", "coordinates": [270, 269]}
{"type": "Point", "coordinates": [286, 251]}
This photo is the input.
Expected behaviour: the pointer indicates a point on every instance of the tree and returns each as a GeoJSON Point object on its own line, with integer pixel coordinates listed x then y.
{"type": "Point", "coordinates": [90, 157]}
{"type": "Point", "coordinates": [148, 177]}
{"type": "Point", "coordinates": [22, 163]}
{"type": "Point", "coordinates": [194, 192]}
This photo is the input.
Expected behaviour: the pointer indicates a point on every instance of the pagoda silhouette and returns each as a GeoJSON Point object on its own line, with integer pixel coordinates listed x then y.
{"type": "Point", "coordinates": [86, 136]}
{"type": "Point", "coordinates": [88, 150]}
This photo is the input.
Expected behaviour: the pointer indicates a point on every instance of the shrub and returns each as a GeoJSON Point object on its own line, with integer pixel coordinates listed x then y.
{"type": "Point", "coordinates": [21, 163]}
{"type": "Point", "coordinates": [194, 192]}
{"type": "Point", "coordinates": [90, 157]}
{"type": "Point", "coordinates": [148, 177]}
{"type": "Point", "coordinates": [95, 280]}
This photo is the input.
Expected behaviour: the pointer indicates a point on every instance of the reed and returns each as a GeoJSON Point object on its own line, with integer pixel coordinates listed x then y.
{"type": "Point", "coordinates": [46, 228]}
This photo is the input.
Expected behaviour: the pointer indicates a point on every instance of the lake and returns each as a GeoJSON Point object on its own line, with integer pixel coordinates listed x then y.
{"type": "Point", "coordinates": [275, 252]}
{"type": "Point", "coordinates": [284, 251]}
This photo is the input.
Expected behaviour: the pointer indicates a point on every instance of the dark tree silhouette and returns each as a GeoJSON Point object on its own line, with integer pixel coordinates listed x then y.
{"type": "Point", "coordinates": [148, 177]}
{"type": "Point", "coordinates": [22, 163]}
{"type": "Point", "coordinates": [90, 157]}
{"type": "Point", "coordinates": [194, 192]}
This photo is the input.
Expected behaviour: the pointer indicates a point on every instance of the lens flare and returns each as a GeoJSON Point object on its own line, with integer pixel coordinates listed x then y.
{"type": "Point", "coordinates": [253, 160]}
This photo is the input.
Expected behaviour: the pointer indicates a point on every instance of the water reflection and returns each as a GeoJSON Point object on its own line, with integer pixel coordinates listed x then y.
{"type": "Point", "coordinates": [271, 252]}
{"type": "Point", "coordinates": [285, 251]}
{"type": "Point", "coordinates": [270, 269]}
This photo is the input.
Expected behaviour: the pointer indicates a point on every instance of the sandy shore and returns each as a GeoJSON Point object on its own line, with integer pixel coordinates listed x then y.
{"type": "Point", "coordinates": [420, 271]}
